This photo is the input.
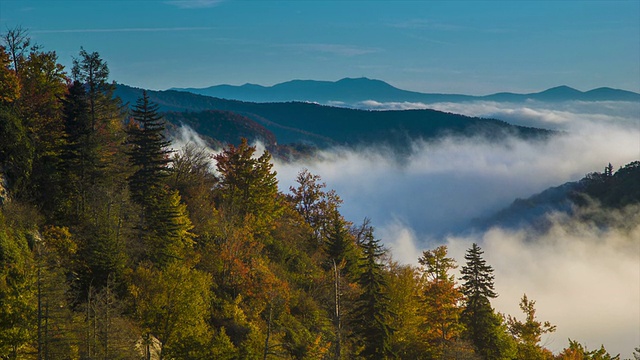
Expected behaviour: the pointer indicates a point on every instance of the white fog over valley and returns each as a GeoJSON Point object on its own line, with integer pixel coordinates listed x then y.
{"type": "Point", "coordinates": [584, 279]}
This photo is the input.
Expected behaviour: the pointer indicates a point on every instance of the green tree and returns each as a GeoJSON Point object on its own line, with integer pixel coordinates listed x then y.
{"type": "Point", "coordinates": [528, 333]}
{"type": "Point", "coordinates": [340, 246]}
{"type": "Point", "coordinates": [166, 230]}
{"type": "Point", "coordinates": [192, 175]}
{"type": "Point", "coordinates": [482, 324]}
{"type": "Point", "coordinates": [248, 186]}
{"type": "Point", "coordinates": [371, 315]}
{"type": "Point", "coordinates": [80, 155]}
{"type": "Point", "coordinates": [172, 305]}
{"type": "Point", "coordinates": [18, 310]}
{"type": "Point", "coordinates": [149, 152]}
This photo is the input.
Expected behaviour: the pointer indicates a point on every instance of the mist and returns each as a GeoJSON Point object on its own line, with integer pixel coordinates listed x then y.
{"type": "Point", "coordinates": [584, 279]}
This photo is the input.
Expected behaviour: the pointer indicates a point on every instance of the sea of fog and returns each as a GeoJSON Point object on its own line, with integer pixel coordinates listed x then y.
{"type": "Point", "coordinates": [584, 279]}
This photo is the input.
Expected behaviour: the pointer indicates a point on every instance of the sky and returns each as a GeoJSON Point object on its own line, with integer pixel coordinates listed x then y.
{"type": "Point", "coordinates": [470, 47]}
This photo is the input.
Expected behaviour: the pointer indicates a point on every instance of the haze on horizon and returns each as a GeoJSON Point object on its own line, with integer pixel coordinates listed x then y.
{"type": "Point", "coordinates": [470, 47]}
{"type": "Point", "coordinates": [467, 47]}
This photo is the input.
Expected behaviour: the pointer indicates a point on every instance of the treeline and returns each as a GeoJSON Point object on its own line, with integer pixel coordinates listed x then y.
{"type": "Point", "coordinates": [114, 247]}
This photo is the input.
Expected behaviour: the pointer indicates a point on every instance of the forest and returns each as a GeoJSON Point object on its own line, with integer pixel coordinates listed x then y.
{"type": "Point", "coordinates": [115, 246]}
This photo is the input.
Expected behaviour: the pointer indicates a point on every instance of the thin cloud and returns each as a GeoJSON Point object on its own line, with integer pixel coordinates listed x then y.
{"type": "Point", "coordinates": [194, 4]}
{"type": "Point", "coordinates": [334, 49]}
{"type": "Point", "coordinates": [117, 30]}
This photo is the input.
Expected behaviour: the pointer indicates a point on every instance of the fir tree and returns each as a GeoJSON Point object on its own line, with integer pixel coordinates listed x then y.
{"type": "Point", "coordinates": [149, 152]}
{"type": "Point", "coordinates": [482, 324]}
{"type": "Point", "coordinates": [371, 314]}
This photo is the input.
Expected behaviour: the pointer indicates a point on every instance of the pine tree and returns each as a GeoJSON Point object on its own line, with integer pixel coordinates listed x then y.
{"type": "Point", "coordinates": [370, 318]}
{"type": "Point", "coordinates": [149, 152]}
{"type": "Point", "coordinates": [482, 324]}
{"type": "Point", "coordinates": [341, 246]}
{"type": "Point", "coordinates": [79, 155]}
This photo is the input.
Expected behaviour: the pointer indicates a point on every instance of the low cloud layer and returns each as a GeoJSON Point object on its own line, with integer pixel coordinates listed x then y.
{"type": "Point", "coordinates": [556, 116]}
{"type": "Point", "coordinates": [585, 280]}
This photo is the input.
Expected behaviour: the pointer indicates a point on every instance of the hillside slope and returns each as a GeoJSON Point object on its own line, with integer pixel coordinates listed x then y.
{"type": "Point", "coordinates": [309, 123]}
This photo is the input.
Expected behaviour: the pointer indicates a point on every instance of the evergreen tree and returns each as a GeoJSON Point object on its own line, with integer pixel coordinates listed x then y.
{"type": "Point", "coordinates": [341, 246]}
{"type": "Point", "coordinates": [482, 324]}
{"type": "Point", "coordinates": [149, 152]}
{"type": "Point", "coordinates": [248, 186]}
{"type": "Point", "coordinates": [79, 154]}
{"type": "Point", "coordinates": [370, 318]}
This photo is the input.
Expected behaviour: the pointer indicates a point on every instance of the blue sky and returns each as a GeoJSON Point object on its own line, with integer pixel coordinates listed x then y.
{"type": "Point", "coordinates": [472, 47]}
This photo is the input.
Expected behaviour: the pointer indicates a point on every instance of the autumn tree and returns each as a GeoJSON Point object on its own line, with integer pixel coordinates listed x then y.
{"type": "Point", "coordinates": [577, 351]}
{"type": "Point", "coordinates": [528, 333]}
{"type": "Point", "coordinates": [316, 205]}
{"type": "Point", "coordinates": [442, 299]}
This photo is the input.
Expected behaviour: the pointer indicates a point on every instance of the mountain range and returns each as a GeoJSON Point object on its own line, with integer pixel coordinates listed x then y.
{"type": "Point", "coordinates": [354, 90]}
{"type": "Point", "coordinates": [305, 124]}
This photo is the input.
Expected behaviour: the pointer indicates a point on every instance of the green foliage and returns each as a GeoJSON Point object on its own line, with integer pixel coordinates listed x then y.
{"type": "Point", "coordinates": [483, 326]}
{"type": "Point", "coordinates": [172, 305]}
{"type": "Point", "coordinates": [149, 151]}
{"type": "Point", "coordinates": [104, 258]}
{"type": "Point", "coordinates": [529, 333]}
{"type": "Point", "coordinates": [370, 317]}
{"type": "Point", "coordinates": [17, 292]}
{"type": "Point", "coordinates": [247, 186]}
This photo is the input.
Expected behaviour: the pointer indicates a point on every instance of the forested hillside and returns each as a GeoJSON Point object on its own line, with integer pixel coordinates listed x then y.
{"type": "Point", "coordinates": [323, 126]}
{"type": "Point", "coordinates": [114, 247]}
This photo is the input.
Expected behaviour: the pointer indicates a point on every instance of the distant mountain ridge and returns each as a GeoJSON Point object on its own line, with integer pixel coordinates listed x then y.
{"type": "Point", "coordinates": [354, 90]}
{"type": "Point", "coordinates": [318, 125]}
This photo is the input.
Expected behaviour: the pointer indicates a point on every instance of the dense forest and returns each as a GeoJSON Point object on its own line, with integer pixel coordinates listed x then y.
{"type": "Point", "coordinates": [113, 246]}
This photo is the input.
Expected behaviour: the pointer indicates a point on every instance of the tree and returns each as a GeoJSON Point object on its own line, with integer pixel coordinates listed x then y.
{"type": "Point", "coordinates": [149, 153]}
{"type": "Point", "coordinates": [192, 175]}
{"type": "Point", "coordinates": [370, 319]}
{"type": "Point", "coordinates": [248, 186]}
{"type": "Point", "coordinates": [442, 299]}
{"type": "Point", "coordinates": [90, 70]}
{"type": "Point", "coordinates": [577, 351]}
{"type": "Point", "coordinates": [340, 245]}
{"type": "Point", "coordinates": [482, 324]}
{"type": "Point", "coordinates": [18, 310]}
{"type": "Point", "coordinates": [316, 205]}
{"type": "Point", "coordinates": [172, 305]}
{"type": "Point", "coordinates": [529, 332]}
{"type": "Point", "coordinates": [18, 43]}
